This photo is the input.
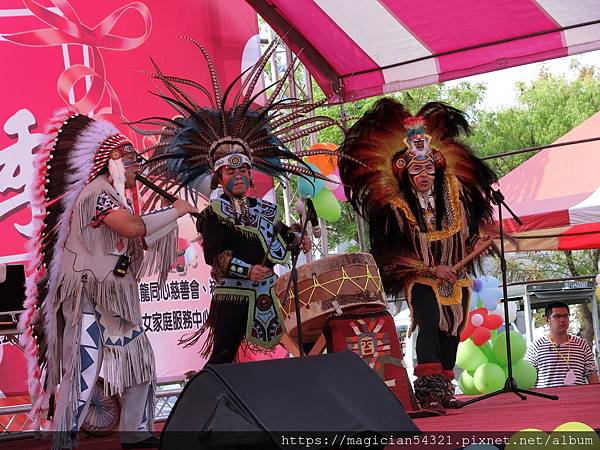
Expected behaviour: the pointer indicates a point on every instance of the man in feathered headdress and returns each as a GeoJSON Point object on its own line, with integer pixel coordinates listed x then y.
{"type": "Point", "coordinates": [243, 240]}
{"type": "Point", "coordinates": [426, 199]}
{"type": "Point", "coordinates": [85, 268]}
{"type": "Point", "coordinates": [242, 236]}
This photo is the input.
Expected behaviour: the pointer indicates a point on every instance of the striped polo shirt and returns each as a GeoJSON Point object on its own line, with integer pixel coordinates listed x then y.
{"type": "Point", "coordinates": [551, 363]}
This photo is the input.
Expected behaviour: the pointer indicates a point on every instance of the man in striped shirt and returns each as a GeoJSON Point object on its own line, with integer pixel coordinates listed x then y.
{"type": "Point", "coordinates": [560, 358]}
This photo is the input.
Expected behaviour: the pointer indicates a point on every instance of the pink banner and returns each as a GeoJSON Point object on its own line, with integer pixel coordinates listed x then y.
{"type": "Point", "coordinates": [94, 55]}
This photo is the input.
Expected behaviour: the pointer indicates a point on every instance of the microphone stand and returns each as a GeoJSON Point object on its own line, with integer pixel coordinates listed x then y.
{"type": "Point", "coordinates": [295, 251]}
{"type": "Point", "coordinates": [510, 385]}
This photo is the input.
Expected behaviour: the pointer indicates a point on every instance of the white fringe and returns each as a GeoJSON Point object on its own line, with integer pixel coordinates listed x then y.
{"type": "Point", "coordinates": [128, 365]}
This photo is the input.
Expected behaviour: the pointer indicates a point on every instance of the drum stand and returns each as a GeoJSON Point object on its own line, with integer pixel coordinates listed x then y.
{"type": "Point", "coordinates": [510, 384]}
{"type": "Point", "coordinates": [295, 249]}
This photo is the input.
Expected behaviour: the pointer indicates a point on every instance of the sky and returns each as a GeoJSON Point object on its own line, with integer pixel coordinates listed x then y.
{"type": "Point", "coordinates": [501, 90]}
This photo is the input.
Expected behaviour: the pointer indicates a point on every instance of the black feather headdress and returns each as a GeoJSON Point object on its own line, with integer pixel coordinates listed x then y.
{"type": "Point", "coordinates": [191, 142]}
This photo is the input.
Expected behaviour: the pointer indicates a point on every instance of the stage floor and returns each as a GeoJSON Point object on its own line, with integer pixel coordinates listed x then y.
{"type": "Point", "coordinates": [507, 412]}
{"type": "Point", "coordinates": [504, 413]}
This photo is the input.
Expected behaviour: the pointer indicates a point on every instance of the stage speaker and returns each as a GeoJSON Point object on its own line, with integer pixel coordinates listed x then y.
{"type": "Point", "coordinates": [12, 288]}
{"type": "Point", "coordinates": [284, 403]}
{"type": "Point", "coordinates": [12, 294]}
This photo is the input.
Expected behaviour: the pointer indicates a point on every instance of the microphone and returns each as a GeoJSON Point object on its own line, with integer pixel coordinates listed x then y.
{"type": "Point", "coordinates": [312, 216]}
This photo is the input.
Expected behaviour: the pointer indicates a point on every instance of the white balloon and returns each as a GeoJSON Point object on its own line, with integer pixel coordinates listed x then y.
{"type": "Point", "coordinates": [333, 184]}
{"type": "Point", "coordinates": [477, 320]}
{"type": "Point", "coordinates": [300, 206]}
{"type": "Point", "coordinates": [512, 311]}
{"type": "Point", "coordinates": [598, 279]}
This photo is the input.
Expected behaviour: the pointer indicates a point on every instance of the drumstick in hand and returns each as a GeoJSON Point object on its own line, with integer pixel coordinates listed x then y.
{"type": "Point", "coordinates": [463, 262]}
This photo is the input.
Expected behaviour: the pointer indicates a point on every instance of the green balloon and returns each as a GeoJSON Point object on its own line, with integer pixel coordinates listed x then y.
{"type": "Point", "coordinates": [469, 356]}
{"type": "Point", "coordinates": [524, 374]}
{"type": "Point", "coordinates": [489, 377]}
{"type": "Point", "coordinates": [327, 206]}
{"type": "Point", "coordinates": [518, 347]}
{"type": "Point", "coordinates": [487, 350]}
{"type": "Point", "coordinates": [467, 384]}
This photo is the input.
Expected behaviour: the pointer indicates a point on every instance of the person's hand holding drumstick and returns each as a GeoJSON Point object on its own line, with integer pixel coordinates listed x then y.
{"type": "Point", "coordinates": [448, 273]}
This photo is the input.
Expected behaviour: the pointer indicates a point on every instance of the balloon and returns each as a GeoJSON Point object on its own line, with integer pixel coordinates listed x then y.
{"type": "Point", "coordinates": [597, 291]}
{"type": "Point", "coordinates": [481, 335]}
{"type": "Point", "coordinates": [489, 297]}
{"type": "Point", "coordinates": [575, 436]}
{"type": "Point", "coordinates": [512, 311]}
{"type": "Point", "coordinates": [327, 206]}
{"type": "Point", "coordinates": [467, 332]}
{"type": "Point", "coordinates": [489, 377]}
{"type": "Point", "coordinates": [477, 284]}
{"type": "Point", "coordinates": [339, 189]}
{"type": "Point", "coordinates": [300, 206]}
{"type": "Point", "coordinates": [486, 348]}
{"type": "Point", "coordinates": [474, 300]}
{"type": "Point", "coordinates": [493, 321]}
{"type": "Point", "coordinates": [334, 183]}
{"type": "Point", "coordinates": [523, 439]}
{"type": "Point", "coordinates": [325, 163]}
{"type": "Point", "coordinates": [477, 320]}
{"type": "Point", "coordinates": [310, 186]}
{"type": "Point", "coordinates": [524, 374]}
{"type": "Point", "coordinates": [598, 279]}
{"type": "Point", "coordinates": [469, 356]}
{"type": "Point", "coordinates": [467, 384]}
{"type": "Point", "coordinates": [573, 426]}
{"type": "Point", "coordinates": [518, 347]}
{"type": "Point", "coordinates": [491, 282]}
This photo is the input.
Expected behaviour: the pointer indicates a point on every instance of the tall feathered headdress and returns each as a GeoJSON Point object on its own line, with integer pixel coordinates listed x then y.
{"type": "Point", "coordinates": [380, 141]}
{"type": "Point", "coordinates": [74, 151]}
{"type": "Point", "coordinates": [198, 136]}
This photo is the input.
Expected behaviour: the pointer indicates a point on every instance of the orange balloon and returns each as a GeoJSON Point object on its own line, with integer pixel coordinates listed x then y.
{"type": "Point", "coordinates": [325, 163]}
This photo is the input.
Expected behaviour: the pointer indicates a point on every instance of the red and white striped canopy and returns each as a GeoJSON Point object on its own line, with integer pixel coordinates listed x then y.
{"type": "Point", "coordinates": [361, 48]}
{"type": "Point", "coordinates": [556, 194]}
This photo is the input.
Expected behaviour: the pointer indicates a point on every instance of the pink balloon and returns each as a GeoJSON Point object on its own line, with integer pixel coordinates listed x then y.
{"type": "Point", "coordinates": [339, 191]}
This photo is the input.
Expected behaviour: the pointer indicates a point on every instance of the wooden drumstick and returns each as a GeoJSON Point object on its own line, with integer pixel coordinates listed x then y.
{"type": "Point", "coordinates": [463, 262]}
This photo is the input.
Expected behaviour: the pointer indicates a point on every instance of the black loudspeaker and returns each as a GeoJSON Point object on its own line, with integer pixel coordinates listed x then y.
{"type": "Point", "coordinates": [12, 289]}
{"type": "Point", "coordinates": [320, 401]}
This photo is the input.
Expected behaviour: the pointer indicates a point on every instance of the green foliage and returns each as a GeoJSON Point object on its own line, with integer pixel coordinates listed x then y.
{"type": "Point", "coordinates": [546, 108]}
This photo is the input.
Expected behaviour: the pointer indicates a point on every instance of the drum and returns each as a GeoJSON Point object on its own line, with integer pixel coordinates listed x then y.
{"type": "Point", "coordinates": [348, 282]}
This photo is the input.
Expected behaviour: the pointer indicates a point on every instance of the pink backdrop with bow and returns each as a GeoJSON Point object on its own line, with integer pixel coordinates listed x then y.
{"type": "Point", "coordinates": [93, 55]}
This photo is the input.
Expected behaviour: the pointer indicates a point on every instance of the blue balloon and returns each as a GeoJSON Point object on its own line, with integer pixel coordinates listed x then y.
{"type": "Point", "coordinates": [490, 282]}
{"type": "Point", "coordinates": [489, 297]}
{"type": "Point", "coordinates": [478, 284]}
{"type": "Point", "coordinates": [308, 186]}
{"type": "Point", "coordinates": [474, 299]}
